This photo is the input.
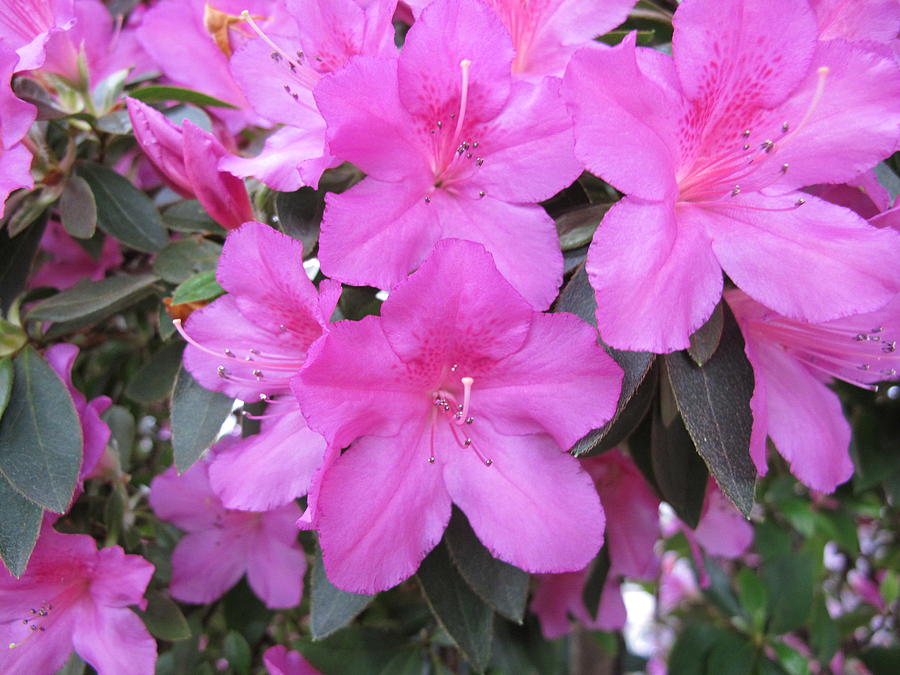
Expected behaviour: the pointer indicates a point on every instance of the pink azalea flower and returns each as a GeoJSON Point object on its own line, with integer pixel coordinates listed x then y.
{"type": "Point", "coordinates": [73, 596]}
{"type": "Point", "coordinates": [632, 528]}
{"type": "Point", "coordinates": [279, 73]}
{"type": "Point", "coordinates": [710, 145]}
{"type": "Point", "coordinates": [471, 153]}
{"type": "Point", "coordinates": [68, 262]}
{"type": "Point", "coordinates": [27, 25]}
{"type": "Point", "coordinates": [676, 582]}
{"type": "Point", "coordinates": [279, 661]}
{"type": "Point", "coordinates": [95, 431]}
{"type": "Point", "coordinates": [221, 545]}
{"type": "Point", "coordinates": [863, 195]}
{"type": "Point", "coordinates": [793, 362]}
{"type": "Point", "coordinates": [16, 117]}
{"type": "Point", "coordinates": [248, 344]}
{"type": "Point", "coordinates": [188, 158]}
{"type": "Point", "coordinates": [875, 20]}
{"type": "Point", "coordinates": [470, 398]}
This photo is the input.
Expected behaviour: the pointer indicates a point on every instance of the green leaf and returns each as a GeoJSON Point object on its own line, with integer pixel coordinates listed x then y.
{"type": "Point", "coordinates": [91, 301]}
{"type": "Point", "coordinates": [246, 613]}
{"type": "Point", "coordinates": [237, 651]}
{"type": "Point", "coordinates": [331, 608]}
{"type": "Point", "coordinates": [158, 93]}
{"type": "Point", "coordinates": [122, 429]}
{"type": "Point", "coordinates": [714, 401]}
{"type": "Point", "coordinates": [12, 338]}
{"type": "Point", "coordinates": [7, 373]}
{"type": "Point", "coordinates": [731, 654]}
{"type": "Point", "coordinates": [123, 211]}
{"type": "Point", "coordinates": [19, 527]}
{"type": "Point", "coordinates": [163, 618]}
{"type": "Point", "coordinates": [691, 649]}
{"type": "Point", "coordinates": [300, 215]}
{"type": "Point", "coordinates": [705, 339]}
{"type": "Point", "coordinates": [357, 649]}
{"type": "Point", "coordinates": [16, 258]}
{"type": "Point", "coordinates": [789, 581]}
{"type": "Point", "coordinates": [153, 381]}
{"type": "Point", "coordinates": [457, 608]}
{"type": "Point", "coordinates": [202, 286]}
{"type": "Point", "coordinates": [678, 471]}
{"type": "Point", "coordinates": [181, 259]}
{"type": "Point", "coordinates": [889, 587]}
{"type": "Point", "coordinates": [190, 216]}
{"type": "Point", "coordinates": [77, 208]}
{"type": "Point", "coordinates": [408, 662]}
{"type": "Point", "coordinates": [593, 587]}
{"type": "Point", "coordinates": [792, 661]}
{"type": "Point", "coordinates": [882, 660]}
{"type": "Point", "coordinates": [576, 227]}
{"type": "Point", "coordinates": [824, 637]}
{"type": "Point", "coordinates": [753, 596]}
{"type": "Point", "coordinates": [501, 585]}
{"type": "Point", "coordinates": [197, 416]}
{"type": "Point", "coordinates": [40, 435]}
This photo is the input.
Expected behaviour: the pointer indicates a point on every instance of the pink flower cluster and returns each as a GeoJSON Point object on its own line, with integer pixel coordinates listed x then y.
{"type": "Point", "coordinates": [745, 159]}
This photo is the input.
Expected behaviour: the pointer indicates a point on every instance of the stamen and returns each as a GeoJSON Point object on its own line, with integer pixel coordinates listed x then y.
{"type": "Point", "coordinates": [467, 398]}
{"type": "Point", "coordinates": [464, 66]}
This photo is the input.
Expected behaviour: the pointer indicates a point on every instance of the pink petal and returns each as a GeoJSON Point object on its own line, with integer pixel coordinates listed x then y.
{"type": "Point", "coordinates": [521, 238]}
{"type": "Point", "coordinates": [270, 469]}
{"type": "Point", "coordinates": [161, 141]}
{"type": "Point", "coordinates": [278, 164]}
{"type": "Point", "coordinates": [15, 172]}
{"type": "Point", "coordinates": [362, 107]}
{"type": "Point", "coordinates": [560, 382]}
{"type": "Point", "coordinates": [847, 265]}
{"type": "Point", "coordinates": [206, 563]}
{"type": "Point", "coordinates": [354, 384]}
{"type": "Point", "coordinates": [611, 614]}
{"type": "Point", "coordinates": [555, 595]}
{"type": "Point", "coordinates": [529, 148]}
{"type": "Point", "coordinates": [877, 20]}
{"type": "Point", "coordinates": [656, 278]}
{"type": "Point", "coordinates": [534, 507]}
{"type": "Point", "coordinates": [479, 317]}
{"type": "Point", "coordinates": [382, 508]}
{"type": "Point", "coordinates": [222, 195]}
{"type": "Point", "coordinates": [722, 530]}
{"type": "Point", "coordinates": [31, 25]}
{"type": "Point", "coordinates": [611, 90]}
{"type": "Point", "coordinates": [429, 73]}
{"type": "Point", "coordinates": [17, 114]}
{"type": "Point", "coordinates": [376, 233]}
{"type": "Point", "coordinates": [118, 579]}
{"type": "Point", "coordinates": [276, 565]}
{"type": "Point", "coordinates": [279, 661]}
{"type": "Point", "coordinates": [37, 652]}
{"type": "Point", "coordinates": [186, 501]}
{"type": "Point", "coordinates": [114, 641]}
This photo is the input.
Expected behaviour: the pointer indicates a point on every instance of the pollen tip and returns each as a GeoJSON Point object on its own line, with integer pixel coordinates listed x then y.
{"type": "Point", "coordinates": [465, 63]}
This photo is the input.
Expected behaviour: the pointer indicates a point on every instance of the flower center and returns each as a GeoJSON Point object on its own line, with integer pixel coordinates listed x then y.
{"type": "Point", "coordinates": [713, 177]}
{"type": "Point", "coordinates": [837, 350]}
{"type": "Point", "coordinates": [453, 157]}
{"type": "Point", "coordinates": [38, 620]}
{"type": "Point", "coordinates": [457, 415]}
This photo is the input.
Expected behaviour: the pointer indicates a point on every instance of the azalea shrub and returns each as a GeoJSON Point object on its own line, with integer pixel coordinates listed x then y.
{"type": "Point", "coordinates": [450, 336]}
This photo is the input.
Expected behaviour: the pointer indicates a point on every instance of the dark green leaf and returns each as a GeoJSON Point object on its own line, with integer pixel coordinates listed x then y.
{"type": "Point", "coordinates": [181, 259]}
{"type": "Point", "coordinates": [197, 416]}
{"type": "Point", "coordinates": [467, 619]}
{"type": "Point", "coordinates": [705, 340]}
{"type": "Point", "coordinates": [12, 338]}
{"type": "Point", "coordinates": [789, 581]}
{"type": "Point", "coordinates": [123, 211]}
{"type": "Point", "coordinates": [157, 93]}
{"type": "Point", "coordinates": [501, 585]}
{"type": "Point", "coordinates": [7, 373]}
{"type": "Point", "coordinates": [77, 208]}
{"type": "Point", "coordinates": [753, 595]}
{"type": "Point", "coordinates": [593, 587]}
{"type": "Point", "coordinates": [357, 649]}
{"type": "Point", "coordinates": [577, 297]}
{"type": "Point", "coordinates": [16, 258]}
{"type": "Point", "coordinates": [824, 637]}
{"type": "Point", "coordinates": [19, 527]}
{"type": "Point", "coordinates": [74, 666]}
{"type": "Point", "coordinates": [678, 471]}
{"type": "Point", "coordinates": [202, 286]}
{"type": "Point", "coordinates": [122, 429]}
{"type": "Point", "coordinates": [719, 590]}
{"type": "Point", "coordinates": [153, 381]}
{"type": "Point", "coordinates": [300, 214]}
{"type": "Point", "coordinates": [576, 227]}
{"type": "Point", "coordinates": [715, 403]}
{"type": "Point", "coordinates": [91, 301]}
{"type": "Point", "coordinates": [331, 608]}
{"type": "Point", "coordinates": [731, 654]}
{"type": "Point", "coordinates": [246, 613]}
{"type": "Point", "coordinates": [163, 618]}
{"type": "Point", "coordinates": [237, 651]}
{"type": "Point", "coordinates": [40, 435]}
{"type": "Point", "coordinates": [882, 660]}
{"type": "Point", "coordinates": [409, 661]}
{"type": "Point", "coordinates": [190, 216]}
{"type": "Point", "coordinates": [691, 649]}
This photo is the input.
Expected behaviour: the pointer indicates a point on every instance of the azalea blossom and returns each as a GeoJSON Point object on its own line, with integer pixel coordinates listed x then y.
{"type": "Point", "coordinates": [27, 25]}
{"type": "Point", "coordinates": [632, 529]}
{"type": "Point", "coordinates": [187, 157]}
{"type": "Point", "coordinates": [73, 596]}
{"type": "Point", "coordinates": [793, 362]}
{"type": "Point", "coordinates": [875, 20]}
{"type": "Point", "coordinates": [710, 146]}
{"type": "Point", "coordinates": [221, 545]}
{"type": "Point", "coordinates": [68, 263]}
{"type": "Point", "coordinates": [279, 72]}
{"type": "Point", "coordinates": [248, 344]}
{"type": "Point", "coordinates": [16, 117]}
{"type": "Point", "coordinates": [279, 661]}
{"type": "Point", "coordinates": [471, 151]}
{"type": "Point", "coordinates": [469, 398]}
